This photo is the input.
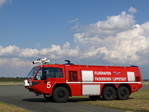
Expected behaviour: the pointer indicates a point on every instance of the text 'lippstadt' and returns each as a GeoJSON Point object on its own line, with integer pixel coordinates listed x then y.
{"type": "Point", "coordinates": [110, 79]}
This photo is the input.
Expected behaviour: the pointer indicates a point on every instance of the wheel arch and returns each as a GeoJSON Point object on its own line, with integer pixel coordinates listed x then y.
{"type": "Point", "coordinates": [62, 85]}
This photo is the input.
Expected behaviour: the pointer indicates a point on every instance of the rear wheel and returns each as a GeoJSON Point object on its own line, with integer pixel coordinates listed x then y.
{"type": "Point", "coordinates": [122, 93]}
{"type": "Point", "coordinates": [60, 94]}
{"type": "Point", "coordinates": [94, 97]}
{"type": "Point", "coordinates": [108, 93]}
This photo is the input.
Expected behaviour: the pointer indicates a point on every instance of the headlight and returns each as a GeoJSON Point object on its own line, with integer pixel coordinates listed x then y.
{"type": "Point", "coordinates": [26, 82]}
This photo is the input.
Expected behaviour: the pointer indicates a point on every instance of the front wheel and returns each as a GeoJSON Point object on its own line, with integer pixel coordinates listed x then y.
{"type": "Point", "coordinates": [108, 93]}
{"type": "Point", "coordinates": [122, 93]}
{"type": "Point", "coordinates": [60, 94]}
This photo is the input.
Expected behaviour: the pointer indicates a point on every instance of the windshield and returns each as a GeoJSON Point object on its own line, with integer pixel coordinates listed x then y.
{"type": "Point", "coordinates": [32, 72]}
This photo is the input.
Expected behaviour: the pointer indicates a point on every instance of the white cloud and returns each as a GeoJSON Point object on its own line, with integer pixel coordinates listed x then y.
{"type": "Point", "coordinates": [14, 63]}
{"type": "Point", "coordinates": [115, 40]}
{"type": "Point", "coordinates": [128, 46]}
{"type": "Point", "coordinates": [74, 20]}
{"type": "Point", "coordinates": [10, 50]}
{"type": "Point", "coordinates": [14, 67]}
{"type": "Point", "coordinates": [122, 22]}
{"type": "Point", "coordinates": [111, 26]}
{"type": "Point", "coordinates": [2, 2]}
{"type": "Point", "coordinates": [5, 1]}
{"type": "Point", "coordinates": [54, 52]}
{"type": "Point", "coordinates": [28, 52]}
{"type": "Point", "coordinates": [132, 10]}
{"type": "Point", "coordinates": [57, 52]}
{"type": "Point", "coordinates": [75, 28]}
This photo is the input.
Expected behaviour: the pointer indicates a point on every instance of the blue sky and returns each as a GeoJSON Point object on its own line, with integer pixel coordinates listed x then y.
{"type": "Point", "coordinates": [103, 32]}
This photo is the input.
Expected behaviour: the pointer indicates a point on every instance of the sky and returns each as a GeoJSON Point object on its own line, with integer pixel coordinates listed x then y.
{"type": "Point", "coordinates": [92, 32]}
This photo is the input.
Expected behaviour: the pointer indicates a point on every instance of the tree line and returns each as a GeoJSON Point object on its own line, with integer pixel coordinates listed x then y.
{"type": "Point", "coordinates": [9, 79]}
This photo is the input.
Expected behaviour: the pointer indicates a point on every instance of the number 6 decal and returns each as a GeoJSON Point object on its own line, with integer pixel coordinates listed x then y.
{"type": "Point", "coordinates": [48, 85]}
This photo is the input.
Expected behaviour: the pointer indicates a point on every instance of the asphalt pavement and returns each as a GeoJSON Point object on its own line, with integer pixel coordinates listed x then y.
{"type": "Point", "coordinates": [19, 96]}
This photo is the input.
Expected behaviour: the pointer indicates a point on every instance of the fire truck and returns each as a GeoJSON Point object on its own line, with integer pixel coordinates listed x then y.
{"type": "Point", "coordinates": [58, 82]}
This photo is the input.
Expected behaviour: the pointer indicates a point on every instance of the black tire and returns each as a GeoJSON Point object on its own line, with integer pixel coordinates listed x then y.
{"type": "Point", "coordinates": [60, 94]}
{"type": "Point", "coordinates": [94, 97]}
{"type": "Point", "coordinates": [122, 93]}
{"type": "Point", "coordinates": [108, 93]}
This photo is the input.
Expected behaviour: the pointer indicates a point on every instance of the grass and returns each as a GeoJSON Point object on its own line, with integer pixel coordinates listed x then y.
{"type": "Point", "coordinates": [12, 83]}
{"type": "Point", "coordinates": [146, 83]}
{"type": "Point", "coordinates": [9, 108]}
{"type": "Point", "coordinates": [138, 101]}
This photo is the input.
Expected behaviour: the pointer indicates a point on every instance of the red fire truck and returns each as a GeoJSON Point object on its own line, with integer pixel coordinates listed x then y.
{"type": "Point", "coordinates": [60, 81]}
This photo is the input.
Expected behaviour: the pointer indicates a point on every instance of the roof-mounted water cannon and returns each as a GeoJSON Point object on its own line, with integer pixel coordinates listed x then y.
{"type": "Point", "coordinates": [43, 61]}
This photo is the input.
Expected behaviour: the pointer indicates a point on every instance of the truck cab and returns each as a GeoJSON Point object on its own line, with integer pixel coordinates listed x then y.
{"type": "Point", "coordinates": [42, 78]}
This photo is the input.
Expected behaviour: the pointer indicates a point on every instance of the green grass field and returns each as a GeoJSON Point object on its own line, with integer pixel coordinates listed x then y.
{"type": "Point", "coordinates": [11, 83]}
{"type": "Point", "coordinates": [9, 108]}
{"type": "Point", "coordinates": [146, 83]}
{"type": "Point", "coordinates": [138, 101]}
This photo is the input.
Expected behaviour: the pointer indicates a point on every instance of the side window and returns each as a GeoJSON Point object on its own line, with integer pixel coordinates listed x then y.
{"type": "Point", "coordinates": [39, 75]}
{"type": "Point", "coordinates": [58, 73]}
{"type": "Point", "coordinates": [73, 76]}
{"type": "Point", "coordinates": [50, 73]}
{"type": "Point", "coordinates": [53, 72]}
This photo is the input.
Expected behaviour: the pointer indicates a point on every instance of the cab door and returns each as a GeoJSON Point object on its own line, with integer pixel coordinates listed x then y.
{"type": "Point", "coordinates": [46, 78]}
{"type": "Point", "coordinates": [54, 75]}
{"type": "Point", "coordinates": [39, 84]}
